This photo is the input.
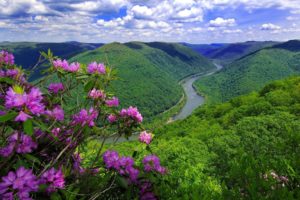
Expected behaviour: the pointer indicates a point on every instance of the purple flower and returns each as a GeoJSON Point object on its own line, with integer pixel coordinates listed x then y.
{"type": "Point", "coordinates": [60, 64]}
{"type": "Point", "coordinates": [54, 179]}
{"type": "Point", "coordinates": [145, 137]}
{"type": "Point", "coordinates": [55, 87]}
{"type": "Point", "coordinates": [111, 159]}
{"type": "Point", "coordinates": [57, 113]}
{"type": "Point", "coordinates": [85, 117]}
{"type": "Point", "coordinates": [114, 102]}
{"type": "Point", "coordinates": [146, 191]}
{"type": "Point", "coordinates": [73, 67]}
{"type": "Point", "coordinates": [97, 94]}
{"type": "Point", "coordinates": [152, 163]}
{"type": "Point", "coordinates": [94, 68]}
{"type": "Point", "coordinates": [24, 144]}
{"type": "Point", "coordinates": [77, 163]}
{"type": "Point", "coordinates": [112, 118]}
{"type": "Point", "coordinates": [133, 113]}
{"type": "Point", "coordinates": [13, 73]}
{"type": "Point", "coordinates": [6, 58]}
{"type": "Point", "coordinates": [21, 182]}
{"type": "Point", "coordinates": [16, 97]}
{"type": "Point", "coordinates": [13, 99]}
{"type": "Point", "coordinates": [22, 117]}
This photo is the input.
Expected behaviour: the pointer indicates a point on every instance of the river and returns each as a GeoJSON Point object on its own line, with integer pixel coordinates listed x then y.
{"type": "Point", "coordinates": [194, 100]}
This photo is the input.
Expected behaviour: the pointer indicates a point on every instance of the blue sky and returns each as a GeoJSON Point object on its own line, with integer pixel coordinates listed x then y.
{"type": "Point", "coordinates": [193, 21]}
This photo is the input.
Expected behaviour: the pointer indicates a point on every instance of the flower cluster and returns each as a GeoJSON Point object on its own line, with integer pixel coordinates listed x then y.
{"type": "Point", "coordinates": [55, 87]}
{"type": "Point", "coordinates": [113, 102]}
{"type": "Point", "coordinates": [57, 113]}
{"type": "Point", "coordinates": [124, 165]}
{"type": "Point", "coordinates": [145, 137]}
{"type": "Point", "coordinates": [132, 113]}
{"type": "Point", "coordinates": [112, 118]}
{"type": "Point", "coordinates": [6, 58]}
{"type": "Point", "coordinates": [85, 117]}
{"type": "Point", "coordinates": [20, 142]}
{"type": "Point", "coordinates": [95, 68]}
{"type": "Point", "coordinates": [64, 65]}
{"type": "Point", "coordinates": [32, 101]}
{"type": "Point", "coordinates": [97, 94]}
{"type": "Point", "coordinates": [54, 179]}
{"type": "Point", "coordinates": [15, 74]}
{"type": "Point", "coordinates": [19, 183]}
{"type": "Point", "coordinates": [152, 163]}
{"type": "Point", "coordinates": [48, 139]}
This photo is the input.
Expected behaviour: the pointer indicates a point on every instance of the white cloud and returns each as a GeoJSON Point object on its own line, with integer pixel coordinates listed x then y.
{"type": "Point", "coordinates": [99, 5]}
{"type": "Point", "coordinates": [14, 7]}
{"type": "Point", "coordinates": [229, 31]}
{"type": "Point", "coordinates": [270, 27]}
{"type": "Point", "coordinates": [220, 22]}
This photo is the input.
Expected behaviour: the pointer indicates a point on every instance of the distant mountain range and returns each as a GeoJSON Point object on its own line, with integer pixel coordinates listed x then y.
{"type": "Point", "coordinates": [229, 52]}
{"type": "Point", "coordinates": [249, 73]}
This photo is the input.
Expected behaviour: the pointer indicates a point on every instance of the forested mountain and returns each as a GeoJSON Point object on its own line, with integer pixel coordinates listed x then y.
{"type": "Point", "coordinates": [252, 72]}
{"type": "Point", "coordinates": [148, 73]}
{"type": "Point", "coordinates": [247, 148]}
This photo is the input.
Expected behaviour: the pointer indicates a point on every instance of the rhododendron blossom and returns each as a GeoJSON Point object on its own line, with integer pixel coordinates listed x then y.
{"type": "Point", "coordinates": [6, 58]}
{"type": "Point", "coordinates": [20, 142]}
{"type": "Point", "coordinates": [152, 163]}
{"type": "Point", "coordinates": [19, 183]}
{"type": "Point", "coordinates": [112, 118]}
{"type": "Point", "coordinates": [57, 113]}
{"type": "Point", "coordinates": [133, 113]}
{"type": "Point", "coordinates": [113, 102]}
{"type": "Point", "coordinates": [97, 94]}
{"type": "Point", "coordinates": [55, 87]}
{"type": "Point", "coordinates": [54, 179]}
{"type": "Point", "coordinates": [95, 68]}
{"type": "Point", "coordinates": [145, 137]}
{"type": "Point", "coordinates": [85, 117]}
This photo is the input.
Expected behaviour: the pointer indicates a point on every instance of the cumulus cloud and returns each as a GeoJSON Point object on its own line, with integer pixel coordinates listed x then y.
{"type": "Point", "coordinates": [270, 27]}
{"type": "Point", "coordinates": [220, 22]}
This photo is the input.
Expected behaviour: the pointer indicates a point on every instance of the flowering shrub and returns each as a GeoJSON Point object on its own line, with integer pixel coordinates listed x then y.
{"type": "Point", "coordinates": [42, 135]}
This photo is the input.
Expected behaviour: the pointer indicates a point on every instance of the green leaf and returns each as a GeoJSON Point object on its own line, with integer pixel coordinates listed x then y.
{"type": "Point", "coordinates": [41, 125]}
{"type": "Point", "coordinates": [8, 116]}
{"type": "Point", "coordinates": [55, 196]}
{"type": "Point", "coordinates": [82, 77]}
{"type": "Point", "coordinates": [32, 158]}
{"type": "Point", "coordinates": [88, 86]}
{"type": "Point", "coordinates": [122, 182]}
{"type": "Point", "coordinates": [28, 128]}
{"type": "Point", "coordinates": [7, 80]}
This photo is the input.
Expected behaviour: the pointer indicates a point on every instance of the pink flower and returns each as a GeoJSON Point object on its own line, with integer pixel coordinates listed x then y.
{"type": "Point", "coordinates": [12, 99]}
{"type": "Point", "coordinates": [145, 137]}
{"type": "Point", "coordinates": [112, 118]}
{"type": "Point", "coordinates": [85, 117]}
{"type": "Point", "coordinates": [73, 67]}
{"type": "Point", "coordinates": [96, 94]}
{"type": "Point", "coordinates": [22, 117]}
{"type": "Point", "coordinates": [21, 182]}
{"type": "Point", "coordinates": [114, 102]}
{"type": "Point", "coordinates": [94, 68]}
{"type": "Point", "coordinates": [55, 87]}
{"type": "Point", "coordinates": [61, 64]}
{"type": "Point", "coordinates": [57, 113]}
{"type": "Point", "coordinates": [133, 113]}
{"type": "Point", "coordinates": [6, 58]}
{"type": "Point", "coordinates": [54, 179]}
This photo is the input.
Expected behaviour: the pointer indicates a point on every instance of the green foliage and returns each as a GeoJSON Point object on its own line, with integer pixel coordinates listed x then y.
{"type": "Point", "coordinates": [251, 72]}
{"type": "Point", "coordinates": [229, 151]}
{"type": "Point", "coordinates": [149, 70]}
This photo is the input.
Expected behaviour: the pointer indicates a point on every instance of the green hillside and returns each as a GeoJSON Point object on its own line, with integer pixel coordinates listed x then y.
{"type": "Point", "coordinates": [27, 53]}
{"type": "Point", "coordinates": [148, 73]}
{"type": "Point", "coordinates": [252, 72]}
{"type": "Point", "coordinates": [231, 150]}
